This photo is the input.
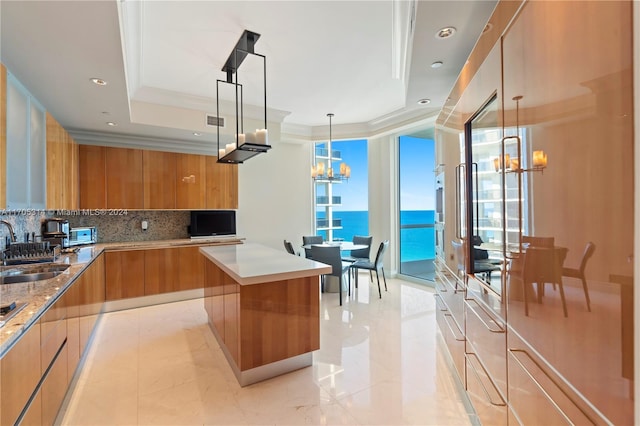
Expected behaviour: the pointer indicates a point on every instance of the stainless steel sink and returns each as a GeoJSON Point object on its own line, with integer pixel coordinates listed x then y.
{"type": "Point", "coordinates": [32, 273]}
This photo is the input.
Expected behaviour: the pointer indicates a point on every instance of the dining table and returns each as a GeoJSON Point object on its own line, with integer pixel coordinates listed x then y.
{"type": "Point", "coordinates": [344, 245]}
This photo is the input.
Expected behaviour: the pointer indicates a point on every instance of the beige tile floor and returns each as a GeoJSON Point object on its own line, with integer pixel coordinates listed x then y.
{"type": "Point", "coordinates": [380, 362]}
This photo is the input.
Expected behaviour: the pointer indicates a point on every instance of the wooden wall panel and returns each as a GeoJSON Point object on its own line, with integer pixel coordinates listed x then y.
{"type": "Point", "coordinates": [55, 164]}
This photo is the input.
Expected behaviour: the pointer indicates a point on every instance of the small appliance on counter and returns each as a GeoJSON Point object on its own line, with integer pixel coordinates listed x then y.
{"type": "Point", "coordinates": [56, 232]}
{"type": "Point", "coordinates": [80, 236]}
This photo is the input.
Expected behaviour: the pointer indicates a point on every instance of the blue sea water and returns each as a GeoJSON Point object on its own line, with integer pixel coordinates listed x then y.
{"type": "Point", "coordinates": [416, 243]}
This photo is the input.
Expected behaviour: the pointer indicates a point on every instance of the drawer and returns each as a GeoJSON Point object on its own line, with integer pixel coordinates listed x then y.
{"type": "Point", "coordinates": [539, 396]}
{"type": "Point", "coordinates": [487, 338]}
{"type": "Point", "coordinates": [489, 404]}
{"type": "Point", "coordinates": [452, 292]}
{"type": "Point", "coordinates": [454, 339]}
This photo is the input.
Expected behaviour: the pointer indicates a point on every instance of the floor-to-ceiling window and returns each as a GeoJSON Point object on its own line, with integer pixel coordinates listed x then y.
{"type": "Point", "coordinates": [417, 206]}
{"type": "Point", "coordinates": [341, 204]}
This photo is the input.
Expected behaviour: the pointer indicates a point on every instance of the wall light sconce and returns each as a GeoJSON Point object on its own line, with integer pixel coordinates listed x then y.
{"type": "Point", "coordinates": [249, 144]}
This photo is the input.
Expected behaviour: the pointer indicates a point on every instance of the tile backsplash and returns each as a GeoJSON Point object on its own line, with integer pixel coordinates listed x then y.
{"type": "Point", "coordinates": [112, 226]}
{"type": "Point", "coordinates": [126, 225]}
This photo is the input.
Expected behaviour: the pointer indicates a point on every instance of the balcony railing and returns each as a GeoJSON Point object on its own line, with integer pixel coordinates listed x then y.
{"type": "Point", "coordinates": [324, 223]}
{"type": "Point", "coordinates": [324, 200]}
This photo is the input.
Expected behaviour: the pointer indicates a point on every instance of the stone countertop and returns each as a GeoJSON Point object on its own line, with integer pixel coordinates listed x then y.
{"type": "Point", "coordinates": [254, 263]}
{"type": "Point", "coordinates": [39, 295]}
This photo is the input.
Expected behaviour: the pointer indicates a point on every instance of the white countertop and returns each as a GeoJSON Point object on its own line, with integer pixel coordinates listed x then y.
{"type": "Point", "coordinates": [252, 263]}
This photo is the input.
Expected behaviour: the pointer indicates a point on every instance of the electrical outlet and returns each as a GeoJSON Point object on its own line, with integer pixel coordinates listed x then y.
{"type": "Point", "coordinates": [145, 225]}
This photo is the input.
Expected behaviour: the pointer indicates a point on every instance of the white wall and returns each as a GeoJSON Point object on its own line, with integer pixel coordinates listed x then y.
{"type": "Point", "coordinates": [383, 198]}
{"type": "Point", "coordinates": [275, 195]}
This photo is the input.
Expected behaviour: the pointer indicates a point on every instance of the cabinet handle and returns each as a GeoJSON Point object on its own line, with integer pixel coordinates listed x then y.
{"type": "Point", "coordinates": [499, 329]}
{"type": "Point", "coordinates": [455, 330]}
{"type": "Point", "coordinates": [514, 352]}
{"type": "Point", "coordinates": [500, 403]}
{"type": "Point", "coordinates": [440, 288]}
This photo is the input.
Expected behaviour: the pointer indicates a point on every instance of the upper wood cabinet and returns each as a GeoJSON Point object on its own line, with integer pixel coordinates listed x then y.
{"type": "Point", "coordinates": [62, 167]}
{"type": "Point", "coordinates": [159, 177]}
{"type": "Point", "coordinates": [93, 176]}
{"type": "Point", "coordinates": [142, 179]}
{"type": "Point", "coordinates": [191, 181]}
{"type": "Point", "coordinates": [222, 184]}
{"type": "Point", "coordinates": [125, 189]}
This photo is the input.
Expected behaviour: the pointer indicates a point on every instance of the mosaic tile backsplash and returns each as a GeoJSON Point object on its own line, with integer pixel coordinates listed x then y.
{"type": "Point", "coordinates": [113, 226]}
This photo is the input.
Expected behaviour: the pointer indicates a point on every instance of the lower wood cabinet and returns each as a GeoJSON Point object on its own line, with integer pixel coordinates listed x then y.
{"type": "Point", "coordinates": [137, 273]}
{"type": "Point", "coordinates": [20, 374]}
{"type": "Point", "coordinates": [124, 274]}
{"type": "Point", "coordinates": [36, 371]}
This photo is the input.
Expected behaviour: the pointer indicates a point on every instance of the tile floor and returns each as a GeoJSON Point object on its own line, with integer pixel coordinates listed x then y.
{"type": "Point", "coordinates": [379, 363]}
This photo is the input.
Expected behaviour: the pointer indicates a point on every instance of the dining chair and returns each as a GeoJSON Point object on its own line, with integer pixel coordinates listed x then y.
{"type": "Point", "coordinates": [289, 247]}
{"type": "Point", "coordinates": [542, 265]}
{"type": "Point", "coordinates": [579, 271]}
{"type": "Point", "coordinates": [482, 267]}
{"type": "Point", "coordinates": [360, 254]}
{"type": "Point", "coordinates": [330, 255]}
{"type": "Point", "coordinates": [311, 239]}
{"type": "Point", "coordinates": [377, 266]}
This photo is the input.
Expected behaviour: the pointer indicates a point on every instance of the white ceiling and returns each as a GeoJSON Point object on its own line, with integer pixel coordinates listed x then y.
{"type": "Point", "coordinates": [163, 57]}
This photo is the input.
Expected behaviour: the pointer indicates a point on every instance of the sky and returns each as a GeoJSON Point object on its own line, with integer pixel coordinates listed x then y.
{"type": "Point", "coordinates": [417, 179]}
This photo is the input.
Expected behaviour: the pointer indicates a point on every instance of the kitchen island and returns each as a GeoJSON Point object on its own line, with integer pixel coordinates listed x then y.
{"type": "Point", "coordinates": [263, 307]}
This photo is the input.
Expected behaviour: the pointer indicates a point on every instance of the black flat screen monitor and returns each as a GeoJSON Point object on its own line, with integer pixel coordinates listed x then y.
{"type": "Point", "coordinates": [211, 223]}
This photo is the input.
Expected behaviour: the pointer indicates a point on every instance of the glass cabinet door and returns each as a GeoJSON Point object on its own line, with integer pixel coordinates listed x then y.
{"type": "Point", "coordinates": [491, 192]}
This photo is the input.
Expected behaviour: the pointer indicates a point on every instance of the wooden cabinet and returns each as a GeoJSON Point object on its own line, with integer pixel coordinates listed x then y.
{"type": "Point", "coordinates": [124, 177]}
{"type": "Point", "coordinates": [138, 273]}
{"type": "Point", "coordinates": [124, 274]}
{"type": "Point", "coordinates": [20, 374]}
{"type": "Point", "coordinates": [91, 297]}
{"type": "Point", "coordinates": [161, 271]}
{"type": "Point", "coordinates": [191, 181]}
{"type": "Point", "coordinates": [72, 303]}
{"type": "Point", "coordinates": [222, 184]}
{"type": "Point", "coordinates": [62, 167]}
{"type": "Point", "coordinates": [92, 176]}
{"type": "Point", "coordinates": [141, 179]}
{"type": "Point", "coordinates": [159, 177]}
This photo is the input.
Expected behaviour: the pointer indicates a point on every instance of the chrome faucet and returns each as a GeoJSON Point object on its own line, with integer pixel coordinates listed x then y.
{"type": "Point", "coordinates": [11, 234]}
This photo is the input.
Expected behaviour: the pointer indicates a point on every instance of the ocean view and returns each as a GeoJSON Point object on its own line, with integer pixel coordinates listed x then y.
{"type": "Point", "coordinates": [417, 243]}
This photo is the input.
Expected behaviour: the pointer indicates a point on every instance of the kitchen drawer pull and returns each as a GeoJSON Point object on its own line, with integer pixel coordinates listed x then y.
{"type": "Point", "coordinates": [502, 403]}
{"type": "Point", "coordinates": [499, 329]}
{"type": "Point", "coordinates": [513, 353]}
{"type": "Point", "coordinates": [440, 303]}
{"type": "Point", "coordinates": [453, 327]}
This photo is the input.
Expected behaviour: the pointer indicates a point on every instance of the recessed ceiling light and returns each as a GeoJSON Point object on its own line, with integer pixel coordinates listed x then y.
{"type": "Point", "coordinates": [197, 134]}
{"type": "Point", "coordinates": [424, 101]}
{"type": "Point", "coordinates": [436, 64]}
{"type": "Point", "coordinates": [445, 32]}
{"type": "Point", "coordinates": [111, 123]}
{"type": "Point", "coordinates": [99, 81]}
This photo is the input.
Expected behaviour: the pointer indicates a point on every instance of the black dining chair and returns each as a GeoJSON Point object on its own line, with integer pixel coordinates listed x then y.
{"type": "Point", "coordinates": [311, 239]}
{"type": "Point", "coordinates": [376, 265]}
{"type": "Point", "coordinates": [360, 254]}
{"type": "Point", "coordinates": [289, 247]}
{"type": "Point", "coordinates": [330, 255]}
